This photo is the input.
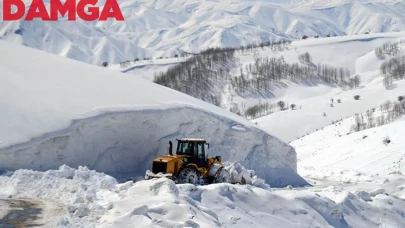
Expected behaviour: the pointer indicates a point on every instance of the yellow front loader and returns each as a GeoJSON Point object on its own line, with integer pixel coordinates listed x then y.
{"type": "Point", "coordinates": [190, 164]}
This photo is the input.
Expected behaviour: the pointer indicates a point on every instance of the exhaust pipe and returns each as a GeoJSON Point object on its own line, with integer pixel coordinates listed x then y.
{"type": "Point", "coordinates": [170, 148]}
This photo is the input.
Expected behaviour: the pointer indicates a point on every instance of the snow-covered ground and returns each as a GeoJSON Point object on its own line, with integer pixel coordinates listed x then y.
{"type": "Point", "coordinates": [356, 161]}
{"type": "Point", "coordinates": [93, 199]}
{"type": "Point", "coordinates": [313, 102]}
{"type": "Point", "coordinates": [357, 182]}
{"type": "Point", "coordinates": [164, 28]}
{"type": "Point", "coordinates": [242, 206]}
{"type": "Point", "coordinates": [364, 151]}
{"type": "Point", "coordinates": [146, 68]}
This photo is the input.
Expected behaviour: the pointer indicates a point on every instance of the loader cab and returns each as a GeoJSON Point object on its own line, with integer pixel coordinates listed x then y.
{"type": "Point", "coordinates": [195, 149]}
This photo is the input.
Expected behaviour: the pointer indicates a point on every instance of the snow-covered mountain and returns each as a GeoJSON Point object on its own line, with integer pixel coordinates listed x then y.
{"type": "Point", "coordinates": [164, 28]}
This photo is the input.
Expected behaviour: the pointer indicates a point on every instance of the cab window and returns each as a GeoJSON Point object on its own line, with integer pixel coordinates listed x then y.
{"type": "Point", "coordinates": [200, 151]}
{"type": "Point", "coordinates": [185, 148]}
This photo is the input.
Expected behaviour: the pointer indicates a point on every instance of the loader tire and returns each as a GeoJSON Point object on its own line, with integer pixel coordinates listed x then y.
{"type": "Point", "coordinates": [188, 175]}
{"type": "Point", "coordinates": [222, 176]}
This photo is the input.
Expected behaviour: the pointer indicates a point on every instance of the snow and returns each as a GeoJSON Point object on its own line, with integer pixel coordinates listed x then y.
{"type": "Point", "coordinates": [95, 200]}
{"type": "Point", "coordinates": [364, 151]}
{"type": "Point", "coordinates": [356, 182]}
{"type": "Point", "coordinates": [56, 111]}
{"type": "Point", "coordinates": [239, 173]}
{"type": "Point", "coordinates": [75, 188]}
{"type": "Point", "coordinates": [64, 122]}
{"type": "Point", "coordinates": [312, 99]}
{"type": "Point", "coordinates": [226, 205]}
{"type": "Point", "coordinates": [353, 52]}
{"type": "Point", "coordinates": [164, 28]}
{"type": "Point", "coordinates": [357, 162]}
{"type": "Point", "coordinates": [146, 68]}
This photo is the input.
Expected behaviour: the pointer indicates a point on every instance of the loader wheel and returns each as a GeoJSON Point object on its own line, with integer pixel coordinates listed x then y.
{"type": "Point", "coordinates": [188, 176]}
{"type": "Point", "coordinates": [222, 176]}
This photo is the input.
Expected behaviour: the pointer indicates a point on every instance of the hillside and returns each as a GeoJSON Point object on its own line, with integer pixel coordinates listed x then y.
{"type": "Point", "coordinates": [306, 74]}
{"type": "Point", "coordinates": [165, 28]}
{"type": "Point", "coordinates": [315, 108]}
{"type": "Point", "coordinates": [367, 151]}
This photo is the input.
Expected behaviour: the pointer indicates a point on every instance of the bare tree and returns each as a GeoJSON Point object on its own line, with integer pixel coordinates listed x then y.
{"type": "Point", "coordinates": [356, 81]}
{"type": "Point", "coordinates": [281, 104]}
{"type": "Point", "coordinates": [358, 123]}
{"type": "Point", "coordinates": [386, 141]}
{"type": "Point", "coordinates": [389, 48]}
{"type": "Point", "coordinates": [260, 110]}
{"type": "Point", "coordinates": [370, 119]}
{"type": "Point", "coordinates": [386, 106]}
{"type": "Point", "coordinates": [393, 69]}
{"type": "Point", "coordinates": [305, 58]}
{"type": "Point", "coordinates": [293, 106]}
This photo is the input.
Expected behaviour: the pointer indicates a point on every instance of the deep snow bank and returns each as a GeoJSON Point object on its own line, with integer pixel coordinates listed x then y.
{"type": "Point", "coordinates": [161, 203]}
{"type": "Point", "coordinates": [56, 111]}
{"type": "Point", "coordinates": [93, 199]}
{"type": "Point", "coordinates": [76, 189]}
{"type": "Point", "coordinates": [126, 143]}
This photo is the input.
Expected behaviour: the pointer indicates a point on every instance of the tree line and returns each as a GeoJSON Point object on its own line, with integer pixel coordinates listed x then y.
{"type": "Point", "coordinates": [264, 109]}
{"type": "Point", "coordinates": [274, 46]}
{"type": "Point", "coordinates": [205, 75]}
{"type": "Point", "coordinates": [201, 75]}
{"type": "Point", "coordinates": [390, 48]}
{"type": "Point", "coordinates": [260, 77]}
{"type": "Point", "coordinates": [387, 113]}
{"type": "Point", "coordinates": [393, 69]}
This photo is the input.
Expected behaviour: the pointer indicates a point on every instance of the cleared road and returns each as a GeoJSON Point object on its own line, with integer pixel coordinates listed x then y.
{"type": "Point", "coordinates": [19, 213]}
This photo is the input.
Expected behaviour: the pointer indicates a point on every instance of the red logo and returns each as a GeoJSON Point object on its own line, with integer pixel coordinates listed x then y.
{"type": "Point", "coordinates": [37, 9]}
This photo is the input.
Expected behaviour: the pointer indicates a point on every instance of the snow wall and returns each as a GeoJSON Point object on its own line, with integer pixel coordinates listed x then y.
{"type": "Point", "coordinates": [125, 143]}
